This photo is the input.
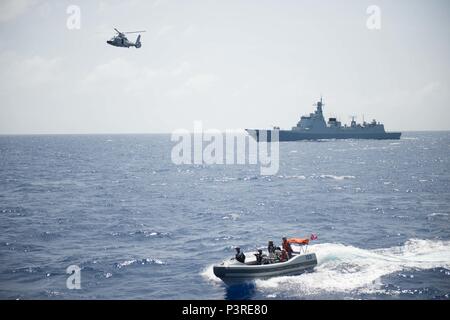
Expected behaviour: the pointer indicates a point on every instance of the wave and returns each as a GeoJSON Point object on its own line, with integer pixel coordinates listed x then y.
{"type": "Point", "coordinates": [209, 275]}
{"type": "Point", "coordinates": [30, 269]}
{"type": "Point", "coordinates": [436, 214]}
{"type": "Point", "coordinates": [348, 269]}
{"type": "Point", "coordinates": [330, 176]}
{"type": "Point", "coordinates": [248, 178]}
{"type": "Point", "coordinates": [216, 179]}
{"type": "Point", "coordinates": [149, 233]}
{"type": "Point", "coordinates": [142, 233]}
{"type": "Point", "coordinates": [231, 216]}
{"type": "Point", "coordinates": [15, 211]}
{"type": "Point", "coordinates": [301, 177]}
{"type": "Point", "coordinates": [48, 236]}
{"type": "Point", "coordinates": [131, 262]}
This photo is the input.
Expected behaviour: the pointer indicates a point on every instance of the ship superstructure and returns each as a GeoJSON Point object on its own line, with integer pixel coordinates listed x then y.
{"type": "Point", "coordinates": [314, 127]}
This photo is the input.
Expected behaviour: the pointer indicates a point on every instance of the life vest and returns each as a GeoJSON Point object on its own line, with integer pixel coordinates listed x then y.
{"type": "Point", "coordinates": [302, 241]}
{"type": "Point", "coordinates": [287, 247]}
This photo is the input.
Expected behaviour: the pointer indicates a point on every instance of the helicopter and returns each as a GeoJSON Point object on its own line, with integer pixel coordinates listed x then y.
{"type": "Point", "coordinates": [122, 41]}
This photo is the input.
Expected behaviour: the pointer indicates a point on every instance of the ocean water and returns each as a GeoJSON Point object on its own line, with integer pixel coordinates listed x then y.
{"type": "Point", "coordinates": [140, 227]}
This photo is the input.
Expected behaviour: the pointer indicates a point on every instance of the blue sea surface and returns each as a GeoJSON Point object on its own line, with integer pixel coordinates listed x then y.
{"type": "Point", "coordinates": [141, 227]}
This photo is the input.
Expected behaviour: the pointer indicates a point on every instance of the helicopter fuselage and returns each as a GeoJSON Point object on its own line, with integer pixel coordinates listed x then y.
{"type": "Point", "coordinates": [120, 42]}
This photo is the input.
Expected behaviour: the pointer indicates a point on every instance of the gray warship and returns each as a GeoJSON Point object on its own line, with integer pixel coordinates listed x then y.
{"type": "Point", "coordinates": [314, 127]}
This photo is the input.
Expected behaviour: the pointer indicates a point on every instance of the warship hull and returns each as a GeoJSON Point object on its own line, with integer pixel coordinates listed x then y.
{"type": "Point", "coordinates": [293, 135]}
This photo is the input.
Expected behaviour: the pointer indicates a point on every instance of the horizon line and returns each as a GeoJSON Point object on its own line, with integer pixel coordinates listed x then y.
{"type": "Point", "coordinates": [157, 133]}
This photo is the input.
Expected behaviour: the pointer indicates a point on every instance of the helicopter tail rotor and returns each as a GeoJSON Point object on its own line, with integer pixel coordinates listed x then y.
{"type": "Point", "coordinates": [138, 42]}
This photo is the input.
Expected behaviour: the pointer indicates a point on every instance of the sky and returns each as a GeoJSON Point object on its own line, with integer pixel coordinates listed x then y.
{"type": "Point", "coordinates": [230, 64]}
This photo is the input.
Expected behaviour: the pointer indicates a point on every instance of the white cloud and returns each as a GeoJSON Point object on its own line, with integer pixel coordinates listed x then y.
{"type": "Point", "coordinates": [157, 3]}
{"type": "Point", "coordinates": [116, 69]}
{"type": "Point", "coordinates": [164, 30]}
{"type": "Point", "coordinates": [181, 68]}
{"type": "Point", "coordinates": [121, 74]}
{"type": "Point", "coordinates": [189, 31]}
{"type": "Point", "coordinates": [429, 89]}
{"type": "Point", "coordinates": [131, 77]}
{"type": "Point", "coordinates": [11, 9]}
{"type": "Point", "coordinates": [107, 5]}
{"type": "Point", "coordinates": [200, 83]}
{"type": "Point", "coordinates": [27, 73]}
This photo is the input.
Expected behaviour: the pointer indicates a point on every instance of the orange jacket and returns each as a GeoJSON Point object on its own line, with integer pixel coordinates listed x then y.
{"type": "Point", "coordinates": [287, 246]}
{"type": "Point", "coordinates": [298, 240]}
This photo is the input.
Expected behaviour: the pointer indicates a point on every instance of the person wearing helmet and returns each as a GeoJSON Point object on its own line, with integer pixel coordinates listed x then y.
{"type": "Point", "coordinates": [240, 256]}
{"type": "Point", "coordinates": [271, 250]}
{"type": "Point", "coordinates": [270, 247]}
{"type": "Point", "coordinates": [259, 257]}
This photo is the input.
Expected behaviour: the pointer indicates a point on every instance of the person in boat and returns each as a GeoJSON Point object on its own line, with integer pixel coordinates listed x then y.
{"type": "Point", "coordinates": [284, 256]}
{"type": "Point", "coordinates": [271, 250]}
{"type": "Point", "coordinates": [258, 257]}
{"type": "Point", "coordinates": [287, 247]}
{"type": "Point", "coordinates": [240, 256]}
{"type": "Point", "coordinates": [261, 258]}
{"type": "Point", "coordinates": [271, 247]}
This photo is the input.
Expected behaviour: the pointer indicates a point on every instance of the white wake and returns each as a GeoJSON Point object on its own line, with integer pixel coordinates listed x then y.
{"type": "Point", "coordinates": [346, 269]}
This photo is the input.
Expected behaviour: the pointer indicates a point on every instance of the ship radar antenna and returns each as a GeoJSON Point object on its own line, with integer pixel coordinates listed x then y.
{"type": "Point", "coordinates": [353, 123]}
{"type": "Point", "coordinates": [319, 103]}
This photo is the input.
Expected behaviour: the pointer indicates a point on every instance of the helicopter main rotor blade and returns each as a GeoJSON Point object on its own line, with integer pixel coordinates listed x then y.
{"type": "Point", "coordinates": [135, 31]}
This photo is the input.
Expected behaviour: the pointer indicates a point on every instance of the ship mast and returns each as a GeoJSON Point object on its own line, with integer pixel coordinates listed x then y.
{"type": "Point", "coordinates": [319, 105]}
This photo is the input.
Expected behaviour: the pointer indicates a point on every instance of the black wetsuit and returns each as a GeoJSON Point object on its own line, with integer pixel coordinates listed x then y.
{"type": "Point", "coordinates": [258, 258]}
{"type": "Point", "coordinates": [240, 257]}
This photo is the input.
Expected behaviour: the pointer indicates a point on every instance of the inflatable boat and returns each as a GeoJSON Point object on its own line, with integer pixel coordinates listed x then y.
{"type": "Point", "coordinates": [232, 271]}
